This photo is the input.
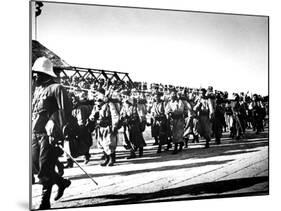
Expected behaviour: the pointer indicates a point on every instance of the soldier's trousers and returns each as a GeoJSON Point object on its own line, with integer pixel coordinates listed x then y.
{"type": "Point", "coordinates": [44, 158]}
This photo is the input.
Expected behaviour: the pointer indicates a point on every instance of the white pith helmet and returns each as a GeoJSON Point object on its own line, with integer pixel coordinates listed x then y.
{"type": "Point", "coordinates": [44, 65]}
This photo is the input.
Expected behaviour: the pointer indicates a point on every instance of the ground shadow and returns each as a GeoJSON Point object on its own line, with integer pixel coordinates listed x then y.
{"type": "Point", "coordinates": [189, 191]}
{"type": "Point", "coordinates": [251, 141]}
{"type": "Point", "coordinates": [195, 153]}
{"type": "Point", "coordinates": [159, 169]}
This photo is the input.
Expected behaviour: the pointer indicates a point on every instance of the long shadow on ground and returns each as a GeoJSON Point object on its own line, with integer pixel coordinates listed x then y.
{"type": "Point", "coordinates": [158, 169]}
{"type": "Point", "coordinates": [227, 150]}
{"type": "Point", "coordinates": [243, 145]}
{"type": "Point", "coordinates": [189, 191]}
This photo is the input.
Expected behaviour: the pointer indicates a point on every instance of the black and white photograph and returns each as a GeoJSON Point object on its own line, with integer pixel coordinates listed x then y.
{"type": "Point", "coordinates": [136, 105]}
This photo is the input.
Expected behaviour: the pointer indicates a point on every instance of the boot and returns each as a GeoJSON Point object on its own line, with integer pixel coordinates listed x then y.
{"type": "Point", "coordinates": [196, 139]}
{"type": "Point", "coordinates": [87, 158]}
{"type": "Point", "coordinates": [60, 168]}
{"type": "Point", "coordinates": [114, 157]}
{"type": "Point", "coordinates": [175, 151]}
{"type": "Point", "coordinates": [181, 145]}
{"type": "Point", "coordinates": [103, 156]}
{"type": "Point", "coordinates": [111, 160]}
{"type": "Point", "coordinates": [156, 142]}
{"type": "Point", "coordinates": [69, 163]}
{"type": "Point", "coordinates": [169, 145]}
{"type": "Point", "coordinates": [45, 200]}
{"type": "Point", "coordinates": [186, 143]}
{"type": "Point", "coordinates": [140, 151]}
{"type": "Point", "coordinates": [106, 160]}
{"type": "Point", "coordinates": [63, 184]}
{"type": "Point", "coordinates": [126, 146]}
{"type": "Point", "coordinates": [159, 149]}
{"type": "Point", "coordinates": [218, 140]}
{"type": "Point", "coordinates": [132, 155]}
{"type": "Point", "coordinates": [207, 145]}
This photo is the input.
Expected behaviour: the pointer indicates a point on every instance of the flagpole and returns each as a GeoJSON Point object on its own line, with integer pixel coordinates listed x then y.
{"type": "Point", "coordinates": [35, 27]}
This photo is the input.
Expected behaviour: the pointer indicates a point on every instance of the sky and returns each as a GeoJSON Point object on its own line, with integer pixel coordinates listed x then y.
{"type": "Point", "coordinates": [228, 52]}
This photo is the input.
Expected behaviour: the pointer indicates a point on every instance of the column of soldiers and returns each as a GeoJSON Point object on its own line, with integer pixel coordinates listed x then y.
{"type": "Point", "coordinates": [66, 119]}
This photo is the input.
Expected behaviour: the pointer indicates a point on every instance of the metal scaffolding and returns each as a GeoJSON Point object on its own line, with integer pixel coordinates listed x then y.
{"type": "Point", "coordinates": [96, 74]}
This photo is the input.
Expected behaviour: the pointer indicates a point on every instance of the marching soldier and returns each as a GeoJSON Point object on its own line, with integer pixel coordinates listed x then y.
{"type": "Point", "coordinates": [229, 118]}
{"type": "Point", "coordinates": [159, 123]}
{"type": "Point", "coordinates": [131, 120]}
{"type": "Point", "coordinates": [175, 111]}
{"type": "Point", "coordinates": [142, 111]}
{"type": "Point", "coordinates": [190, 122]}
{"type": "Point", "coordinates": [205, 111]}
{"type": "Point", "coordinates": [105, 116]}
{"type": "Point", "coordinates": [81, 112]}
{"type": "Point", "coordinates": [218, 119]}
{"type": "Point", "coordinates": [238, 110]}
{"type": "Point", "coordinates": [50, 111]}
{"type": "Point", "coordinates": [258, 113]}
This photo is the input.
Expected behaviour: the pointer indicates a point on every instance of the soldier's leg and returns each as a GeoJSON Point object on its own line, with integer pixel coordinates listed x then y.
{"type": "Point", "coordinates": [114, 157]}
{"type": "Point", "coordinates": [217, 132]}
{"type": "Point", "coordinates": [180, 146]}
{"type": "Point", "coordinates": [111, 159]}
{"type": "Point", "coordinates": [140, 151]}
{"type": "Point", "coordinates": [45, 197]}
{"type": "Point", "coordinates": [87, 158]}
{"type": "Point", "coordinates": [218, 138]}
{"type": "Point", "coordinates": [196, 138]}
{"type": "Point", "coordinates": [62, 185]}
{"type": "Point", "coordinates": [159, 148]}
{"type": "Point", "coordinates": [46, 175]}
{"type": "Point", "coordinates": [132, 154]}
{"type": "Point", "coordinates": [186, 141]}
{"type": "Point", "coordinates": [60, 168]}
{"type": "Point", "coordinates": [156, 141]}
{"type": "Point", "coordinates": [106, 159]}
{"type": "Point", "coordinates": [175, 151]}
{"type": "Point", "coordinates": [208, 139]}
{"type": "Point", "coordinates": [69, 161]}
{"type": "Point", "coordinates": [169, 144]}
{"type": "Point", "coordinates": [35, 149]}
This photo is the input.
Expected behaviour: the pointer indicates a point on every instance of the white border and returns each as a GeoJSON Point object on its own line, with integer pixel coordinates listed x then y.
{"type": "Point", "coordinates": [14, 103]}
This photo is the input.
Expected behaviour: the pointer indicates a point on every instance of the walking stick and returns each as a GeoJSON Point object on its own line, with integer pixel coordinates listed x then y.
{"type": "Point", "coordinates": [77, 164]}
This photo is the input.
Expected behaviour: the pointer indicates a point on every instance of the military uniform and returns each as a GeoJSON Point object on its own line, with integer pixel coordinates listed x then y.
{"type": "Point", "coordinates": [204, 110]}
{"type": "Point", "coordinates": [159, 124]}
{"type": "Point", "coordinates": [131, 119]}
{"type": "Point", "coordinates": [81, 113]}
{"type": "Point", "coordinates": [175, 111]}
{"type": "Point", "coordinates": [106, 119]}
{"type": "Point", "coordinates": [50, 109]}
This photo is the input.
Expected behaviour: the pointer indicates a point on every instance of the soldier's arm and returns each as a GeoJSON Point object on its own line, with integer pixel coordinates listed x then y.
{"type": "Point", "coordinates": [197, 105]}
{"type": "Point", "coordinates": [94, 114]}
{"type": "Point", "coordinates": [168, 110]}
{"type": "Point", "coordinates": [211, 108]}
{"type": "Point", "coordinates": [188, 109]}
{"type": "Point", "coordinates": [114, 115]}
{"type": "Point", "coordinates": [59, 118]}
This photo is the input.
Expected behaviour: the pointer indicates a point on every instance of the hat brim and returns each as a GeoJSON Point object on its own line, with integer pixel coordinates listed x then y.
{"type": "Point", "coordinates": [47, 73]}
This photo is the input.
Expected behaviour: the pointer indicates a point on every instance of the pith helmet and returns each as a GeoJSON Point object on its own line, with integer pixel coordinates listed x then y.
{"type": "Point", "coordinates": [44, 65]}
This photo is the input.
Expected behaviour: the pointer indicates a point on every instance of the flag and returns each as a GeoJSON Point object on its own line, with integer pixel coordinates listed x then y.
{"type": "Point", "coordinates": [38, 5]}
